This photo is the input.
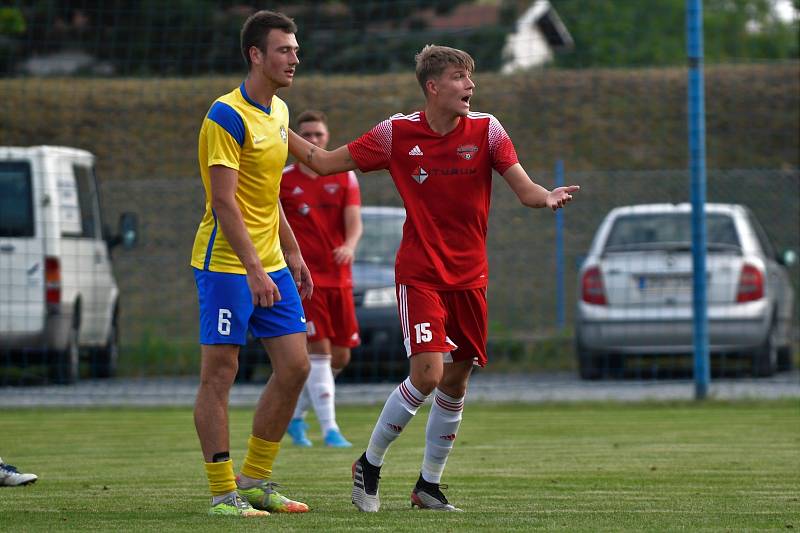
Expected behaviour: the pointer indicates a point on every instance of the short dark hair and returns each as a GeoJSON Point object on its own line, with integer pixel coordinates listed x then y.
{"type": "Point", "coordinates": [257, 27]}
{"type": "Point", "coordinates": [433, 59]}
{"type": "Point", "coordinates": [312, 115]}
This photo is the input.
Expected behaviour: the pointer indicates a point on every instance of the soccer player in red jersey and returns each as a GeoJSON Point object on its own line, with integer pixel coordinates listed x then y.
{"type": "Point", "coordinates": [325, 214]}
{"type": "Point", "coordinates": [441, 160]}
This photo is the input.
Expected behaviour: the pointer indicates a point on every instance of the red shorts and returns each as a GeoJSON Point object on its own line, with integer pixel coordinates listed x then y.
{"type": "Point", "coordinates": [451, 322]}
{"type": "Point", "coordinates": [331, 314]}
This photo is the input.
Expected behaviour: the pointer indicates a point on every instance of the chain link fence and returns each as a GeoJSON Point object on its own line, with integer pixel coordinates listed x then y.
{"type": "Point", "coordinates": [131, 84]}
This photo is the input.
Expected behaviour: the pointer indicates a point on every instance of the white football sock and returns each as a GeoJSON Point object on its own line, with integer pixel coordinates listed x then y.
{"type": "Point", "coordinates": [321, 391]}
{"type": "Point", "coordinates": [440, 434]}
{"type": "Point", "coordinates": [399, 409]}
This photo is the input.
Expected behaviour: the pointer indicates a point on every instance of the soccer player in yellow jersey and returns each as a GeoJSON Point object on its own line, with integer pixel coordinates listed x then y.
{"type": "Point", "coordinates": [249, 271]}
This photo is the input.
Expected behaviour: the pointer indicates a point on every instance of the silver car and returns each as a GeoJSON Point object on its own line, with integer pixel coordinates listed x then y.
{"type": "Point", "coordinates": [635, 290]}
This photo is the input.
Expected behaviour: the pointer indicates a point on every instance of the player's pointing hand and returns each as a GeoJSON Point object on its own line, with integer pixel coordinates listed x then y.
{"type": "Point", "coordinates": [559, 197]}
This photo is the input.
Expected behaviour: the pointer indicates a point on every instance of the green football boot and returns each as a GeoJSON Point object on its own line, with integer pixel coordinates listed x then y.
{"type": "Point", "coordinates": [235, 505]}
{"type": "Point", "coordinates": [264, 496]}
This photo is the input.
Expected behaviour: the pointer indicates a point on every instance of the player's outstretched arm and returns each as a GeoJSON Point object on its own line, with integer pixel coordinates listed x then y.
{"type": "Point", "coordinates": [534, 195]}
{"type": "Point", "coordinates": [321, 161]}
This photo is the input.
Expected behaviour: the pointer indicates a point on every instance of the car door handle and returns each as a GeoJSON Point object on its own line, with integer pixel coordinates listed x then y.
{"type": "Point", "coordinates": [7, 248]}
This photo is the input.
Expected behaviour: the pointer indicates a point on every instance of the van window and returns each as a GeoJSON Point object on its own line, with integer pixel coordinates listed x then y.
{"type": "Point", "coordinates": [16, 199]}
{"type": "Point", "coordinates": [86, 206]}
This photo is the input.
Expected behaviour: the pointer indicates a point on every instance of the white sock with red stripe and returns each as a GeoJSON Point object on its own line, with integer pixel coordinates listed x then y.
{"type": "Point", "coordinates": [320, 388]}
{"type": "Point", "coordinates": [399, 409]}
{"type": "Point", "coordinates": [440, 434]}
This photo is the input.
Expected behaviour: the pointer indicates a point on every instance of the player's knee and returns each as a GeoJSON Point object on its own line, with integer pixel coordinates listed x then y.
{"type": "Point", "coordinates": [296, 373]}
{"type": "Point", "coordinates": [426, 383]}
{"type": "Point", "coordinates": [221, 377]}
{"type": "Point", "coordinates": [425, 378]}
{"type": "Point", "coordinates": [303, 369]}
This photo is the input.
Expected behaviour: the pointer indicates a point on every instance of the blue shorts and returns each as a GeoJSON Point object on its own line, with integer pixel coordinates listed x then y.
{"type": "Point", "coordinates": [227, 310]}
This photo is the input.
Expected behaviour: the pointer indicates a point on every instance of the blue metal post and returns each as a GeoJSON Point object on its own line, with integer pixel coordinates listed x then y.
{"type": "Point", "coordinates": [560, 251]}
{"type": "Point", "coordinates": [697, 165]}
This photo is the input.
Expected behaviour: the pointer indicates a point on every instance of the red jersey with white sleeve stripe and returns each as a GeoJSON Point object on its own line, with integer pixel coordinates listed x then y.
{"type": "Point", "coordinates": [314, 207]}
{"type": "Point", "coordinates": [445, 182]}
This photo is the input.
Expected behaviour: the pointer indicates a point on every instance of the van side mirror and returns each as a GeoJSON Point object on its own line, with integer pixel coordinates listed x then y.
{"type": "Point", "coordinates": [787, 258]}
{"type": "Point", "coordinates": [127, 232]}
{"type": "Point", "coordinates": [129, 229]}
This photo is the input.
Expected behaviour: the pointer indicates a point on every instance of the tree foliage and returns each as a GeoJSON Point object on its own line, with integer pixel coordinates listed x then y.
{"type": "Point", "coordinates": [624, 34]}
{"type": "Point", "coordinates": [181, 37]}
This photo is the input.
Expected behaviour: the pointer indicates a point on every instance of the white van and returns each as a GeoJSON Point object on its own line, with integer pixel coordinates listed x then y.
{"type": "Point", "coordinates": [58, 296]}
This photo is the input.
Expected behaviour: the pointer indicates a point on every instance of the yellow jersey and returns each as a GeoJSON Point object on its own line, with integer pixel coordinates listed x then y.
{"type": "Point", "coordinates": [252, 139]}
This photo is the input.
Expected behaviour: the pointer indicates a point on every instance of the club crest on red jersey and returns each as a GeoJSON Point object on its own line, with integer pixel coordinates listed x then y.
{"type": "Point", "coordinates": [467, 151]}
{"type": "Point", "coordinates": [331, 188]}
{"type": "Point", "coordinates": [419, 175]}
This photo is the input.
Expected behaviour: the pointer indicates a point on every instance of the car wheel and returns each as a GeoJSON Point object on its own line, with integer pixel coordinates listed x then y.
{"type": "Point", "coordinates": [765, 359]}
{"type": "Point", "coordinates": [105, 359]}
{"type": "Point", "coordinates": [785, 362]}
{"type": "Point", "coordinates": [588, 367]}
{"type": "Point", "coordinates": [66, 363]}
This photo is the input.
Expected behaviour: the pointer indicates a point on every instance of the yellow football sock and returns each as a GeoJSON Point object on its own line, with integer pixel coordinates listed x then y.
{"type": "Point", "coordinates": [220, 477]}
{"type": "Point", "coordinates": [260, 456]}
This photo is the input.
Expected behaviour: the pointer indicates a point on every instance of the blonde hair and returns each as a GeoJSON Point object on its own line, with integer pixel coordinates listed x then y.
{"type": "Point", "coordinates": [433, 59]}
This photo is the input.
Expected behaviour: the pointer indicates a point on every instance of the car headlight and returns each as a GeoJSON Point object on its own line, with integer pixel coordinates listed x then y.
{"type": "Point", "coordinates": [383, 297]}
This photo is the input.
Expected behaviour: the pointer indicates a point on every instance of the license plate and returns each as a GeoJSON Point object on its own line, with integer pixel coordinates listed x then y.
{"type": "Point", "coordinates": [665, 283]}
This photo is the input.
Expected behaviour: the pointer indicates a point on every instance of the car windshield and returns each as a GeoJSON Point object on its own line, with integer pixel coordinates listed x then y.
{"type": "Point", "coordinates": [672, 231]}
{"type": "Point", "coordinates": [381, 238]}
{"type": "Point", "coordinates": [16, 202]}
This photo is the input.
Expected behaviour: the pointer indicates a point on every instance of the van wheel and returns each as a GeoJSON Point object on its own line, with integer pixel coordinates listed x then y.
{"type": "Point", "coordinates": [66, 363]}
{"type": "Point", "coordinates": [765, 358]}
{"type": "Point", "coordinates": [105, 360]}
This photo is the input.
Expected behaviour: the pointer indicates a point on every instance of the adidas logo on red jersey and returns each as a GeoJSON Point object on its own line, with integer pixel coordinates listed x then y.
{"type": "Point", "coordinates": [415, 151]}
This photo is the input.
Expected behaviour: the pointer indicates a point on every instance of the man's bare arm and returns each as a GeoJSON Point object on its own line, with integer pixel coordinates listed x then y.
{"type": "Point", "coordinates": [353, 228]}
{"type": "Point", "coordinates": [321, 161]}
{"type": "Point", "coordinates": [223, 201]}
{"type": "Point", "coordinates": [534, 195]}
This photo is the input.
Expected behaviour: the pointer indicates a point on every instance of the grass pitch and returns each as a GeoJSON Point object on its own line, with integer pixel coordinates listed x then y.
{"type": "Point", "coordinates": [578, 467]}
